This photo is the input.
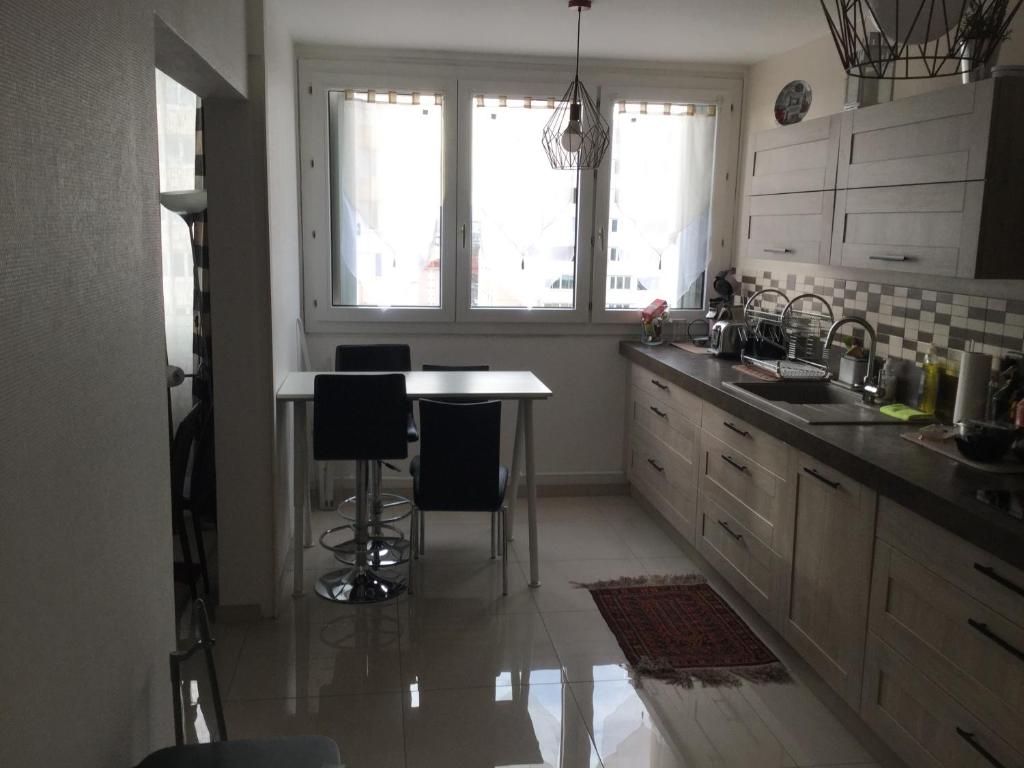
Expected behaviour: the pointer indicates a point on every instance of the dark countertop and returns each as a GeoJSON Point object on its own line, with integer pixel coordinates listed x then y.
{"type": "Point", "coordinates": [938, 488]}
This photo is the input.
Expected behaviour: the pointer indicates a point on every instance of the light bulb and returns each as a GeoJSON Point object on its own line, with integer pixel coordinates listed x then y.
{"type": "Point", "coordinates": [572, 137]}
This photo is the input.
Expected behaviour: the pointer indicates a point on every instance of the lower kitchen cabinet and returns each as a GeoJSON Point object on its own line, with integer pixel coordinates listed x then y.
{"type": "Point", "coordinates": [825, 575]}
{"type": "Point", "coordinates": [921, 722]}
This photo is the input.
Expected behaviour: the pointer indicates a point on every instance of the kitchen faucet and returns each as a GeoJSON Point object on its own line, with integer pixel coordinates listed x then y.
{"type": "Point", "coordinates": [870, 387]}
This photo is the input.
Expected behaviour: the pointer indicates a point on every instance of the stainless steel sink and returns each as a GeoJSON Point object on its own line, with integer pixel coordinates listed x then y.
{"type": "Point", "coordinates": [815, 402]}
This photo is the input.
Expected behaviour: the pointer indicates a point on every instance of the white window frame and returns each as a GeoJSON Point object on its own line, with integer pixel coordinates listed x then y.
{"type": "Point", "coordinates": [457, 76]}
{"type": "Point", "coordinates": [723, 189]}
{"type": "Point", "coordinates": [581, 293]}
{"type": "Point", "coordinates": [315, 214]}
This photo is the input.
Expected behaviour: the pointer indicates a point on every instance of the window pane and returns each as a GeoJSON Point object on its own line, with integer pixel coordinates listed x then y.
{"type": "Point", "coordinates": [387, 177]}
{"type": "Point", "coordinates": [524, 213]}
{"type": "Point", "coordinates": [660, 206]}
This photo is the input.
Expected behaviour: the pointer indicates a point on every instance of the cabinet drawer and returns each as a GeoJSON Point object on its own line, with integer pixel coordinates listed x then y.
{"type": "Point", "coordinates": [750, 441]}
{"type": "Point", "coordinates": [666, 481]}
{"type": "Point", "coordinates": [972, 652]}
{"type": "Point", "coordinates": [987, 579]}
{"type": "Point", "coordinates": [929, 228]}
{"type": "Point", "coordinates": [791, 227]}
{"type": "Point", "coordinates": [924, 725]}
{"type": "Point", "coordinates": [736, 553]}
{"type": "Point", "coordinates": [937, 137]}
{"type": "Point", "coordinates": [685, 403]}
{"type": "Point", "coordinates": [666, 423]}
{"type": "Point", "coordinates": [797, 158]}
{"type": "Point", "coordinates": [736, 480]}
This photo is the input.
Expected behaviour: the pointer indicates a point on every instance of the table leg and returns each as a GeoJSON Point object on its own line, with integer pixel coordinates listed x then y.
{"type": "Point", "coordinates": [307, 534]}
{"type": "Point", "coordinates": [299, 494]}
{"type": "Point", "coordinates": [531, 492]}
{"type": "Point", "coordinates": [512, 494]}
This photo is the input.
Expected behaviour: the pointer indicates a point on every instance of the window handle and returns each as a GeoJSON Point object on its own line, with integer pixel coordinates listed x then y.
{"type": "Point", "coordinates": [463, 230]}
{"type": "Point", "coordinates": [600, 239]}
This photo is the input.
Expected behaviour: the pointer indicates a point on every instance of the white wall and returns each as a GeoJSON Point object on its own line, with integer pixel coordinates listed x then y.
{"type": "Point", "coordinates": [85, 551]}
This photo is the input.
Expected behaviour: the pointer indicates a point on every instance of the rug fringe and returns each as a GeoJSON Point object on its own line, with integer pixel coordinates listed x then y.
{"type": "Point", "coordinates": [667, 580]}
{"type": "Point", "coordinates": [715, 677]}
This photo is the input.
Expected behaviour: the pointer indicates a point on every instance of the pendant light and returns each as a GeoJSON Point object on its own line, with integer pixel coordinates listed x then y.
{"type": "Point", "coordinates": [914, 39]}
{"type": "Point", "coordinates": [576, 136]}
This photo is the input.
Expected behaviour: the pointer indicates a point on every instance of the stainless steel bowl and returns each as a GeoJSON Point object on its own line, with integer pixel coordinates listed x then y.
{"type": "Point", "coordinates": [983, 441]}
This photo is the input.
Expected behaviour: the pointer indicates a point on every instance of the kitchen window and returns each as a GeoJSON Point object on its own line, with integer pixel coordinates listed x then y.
{"type": "Point", "coordinates": [657, 203]}
{"type": "Point", "coordinates": [427, 198]}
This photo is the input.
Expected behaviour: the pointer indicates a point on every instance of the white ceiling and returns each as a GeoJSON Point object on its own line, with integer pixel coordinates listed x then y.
{"type": "Point", "coordinates": [714, 31]}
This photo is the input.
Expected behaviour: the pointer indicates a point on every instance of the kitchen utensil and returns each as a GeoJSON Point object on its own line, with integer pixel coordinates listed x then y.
{"type": "Point", "coordinates": [984, 441]}
{"type": "Point", "coordinates": [972, 389]}
{"type": "Point", "coordinates": [727, 338]}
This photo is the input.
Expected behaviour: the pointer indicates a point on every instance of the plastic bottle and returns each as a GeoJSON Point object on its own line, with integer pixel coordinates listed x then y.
{"type": "Point", "coordinates": [930, 382]}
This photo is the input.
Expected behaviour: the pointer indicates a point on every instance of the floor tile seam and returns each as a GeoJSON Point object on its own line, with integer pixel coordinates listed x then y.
{"type": "Point", "coordinates": [401, 682]}
{"type": "Point", "coordinates": [238, 660]}
{"type": "Point", "coordinates": [319, 696]}
{"type": "Point", "coordinates": [490, 686]}
{"type": "Point", "coordinates": [589, 726]}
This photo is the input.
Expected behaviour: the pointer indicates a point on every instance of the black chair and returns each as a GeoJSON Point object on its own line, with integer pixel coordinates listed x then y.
{"type": "Point", "coordinates": [459, 468]}
{"type": "Point", "coordinates": [293, 752]}
{"type": "Point", "coordinates": [361, 418]}
{"type": "Point", "coordinates": [194, 491]}
{"type": "Point", "coordinates": [362, 358]}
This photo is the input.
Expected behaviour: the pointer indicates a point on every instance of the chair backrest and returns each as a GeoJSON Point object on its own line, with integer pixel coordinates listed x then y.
{"type": "Point", "coordinates": [189, 433]}
{"type": "Point", "coordinates": [356, 358]}
{"type": "Point", "coordinates": [360, 417]}
{"type": "Point", "coordinates": [460, 445]}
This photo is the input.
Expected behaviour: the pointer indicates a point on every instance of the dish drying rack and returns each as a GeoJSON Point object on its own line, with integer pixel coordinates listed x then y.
{"type": "Point", "coordinates": [793, 336]}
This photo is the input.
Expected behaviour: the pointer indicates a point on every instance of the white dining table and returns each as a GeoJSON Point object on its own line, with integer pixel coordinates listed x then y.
{"type": "Point", "coordinates": [523, 387]}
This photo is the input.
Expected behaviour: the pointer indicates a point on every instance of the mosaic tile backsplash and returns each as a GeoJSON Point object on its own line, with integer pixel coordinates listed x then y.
{"type": "Point", "coordinates": [910, 320]}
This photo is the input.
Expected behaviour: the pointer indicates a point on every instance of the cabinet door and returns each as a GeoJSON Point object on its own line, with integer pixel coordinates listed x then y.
{"type": "Point", "coordinates": [940, 136]}
{"type": "Point", "coordinates": [828, 573]}
{"type": "Point", "coordinates": [796, 158]}
{"type": "Point", "coordinates": [792, 227]}
{"type": "Point", "coordinates": [929, 229]}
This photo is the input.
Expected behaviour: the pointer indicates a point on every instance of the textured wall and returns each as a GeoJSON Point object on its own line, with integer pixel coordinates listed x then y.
{"type": "Point", "coordinates": [85, 535]}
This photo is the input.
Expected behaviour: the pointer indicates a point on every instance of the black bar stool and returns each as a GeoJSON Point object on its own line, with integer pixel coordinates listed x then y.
{"type": "Point", "coordinates": [362, 358]}
{"type": "Point", "coordinates": [361, 418]}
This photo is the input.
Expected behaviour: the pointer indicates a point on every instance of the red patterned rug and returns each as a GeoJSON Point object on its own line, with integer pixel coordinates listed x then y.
{"type": "Point", "coordinates": [678, 629]}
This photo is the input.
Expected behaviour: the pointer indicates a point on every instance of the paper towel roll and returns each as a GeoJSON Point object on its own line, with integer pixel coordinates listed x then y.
{"type": "Point", "coordinates": [972, 388]}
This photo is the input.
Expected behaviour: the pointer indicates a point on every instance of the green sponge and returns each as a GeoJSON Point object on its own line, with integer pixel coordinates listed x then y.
{"type": "Point", "coordinates": [904, 412]}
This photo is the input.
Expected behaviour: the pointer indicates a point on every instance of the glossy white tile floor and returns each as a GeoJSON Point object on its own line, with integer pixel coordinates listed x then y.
{"type": "Point", "coordinates": [460, 676]}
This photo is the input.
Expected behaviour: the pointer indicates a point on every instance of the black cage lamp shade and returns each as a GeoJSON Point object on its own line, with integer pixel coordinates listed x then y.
{"type": "Point", "coordinates": [914, 39]}
{"type": "Point", "coordinates": [576, 135]}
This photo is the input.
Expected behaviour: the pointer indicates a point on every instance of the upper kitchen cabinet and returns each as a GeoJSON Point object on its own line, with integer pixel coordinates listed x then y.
{"type": "Point", "coordinates": [800, 158]}
{"type": "Point", "coordinates": [936, 137]}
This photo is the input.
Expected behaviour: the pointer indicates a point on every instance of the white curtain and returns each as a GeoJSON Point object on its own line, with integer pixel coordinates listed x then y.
{"type": "Point", "coordinates": [176, 131]}
{"type": "Point", "coordinates": [662, 181]}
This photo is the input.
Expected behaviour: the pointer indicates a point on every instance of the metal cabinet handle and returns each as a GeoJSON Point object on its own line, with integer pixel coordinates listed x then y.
{"type": "Point", "coordinates": [778, 250]}
{"type": "Point", "coordinates": [656, 465]}
{"type": "Point", "coordinates": [733, 462]}
{"type": "Point", "coordinates": [736, 429]}
{"type": "Point", "coordinates": [658, 384]}
{"type": "Point", "coordinates": [991, 573]}
{"type": "Point", "coordinates": [972, 740]}
{"type": "Point", "coordinates": [890, 257]}
{"type": "Point", "coordinates": [817, 476]}
{"type": "Point", "coordinates": [982, 627]}
{"type": "Point", "coordinates": [730, 531]}
{"type": "Point", "coordinates": [660, 413]}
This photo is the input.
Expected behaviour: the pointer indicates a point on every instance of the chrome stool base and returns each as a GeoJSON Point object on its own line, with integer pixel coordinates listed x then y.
{"type": "Point", "coordinates": [358, 586]}
{"type": "Point", "coordinates": [381, 551]}
{"type": "Point", "coordinates": [388, 502]}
